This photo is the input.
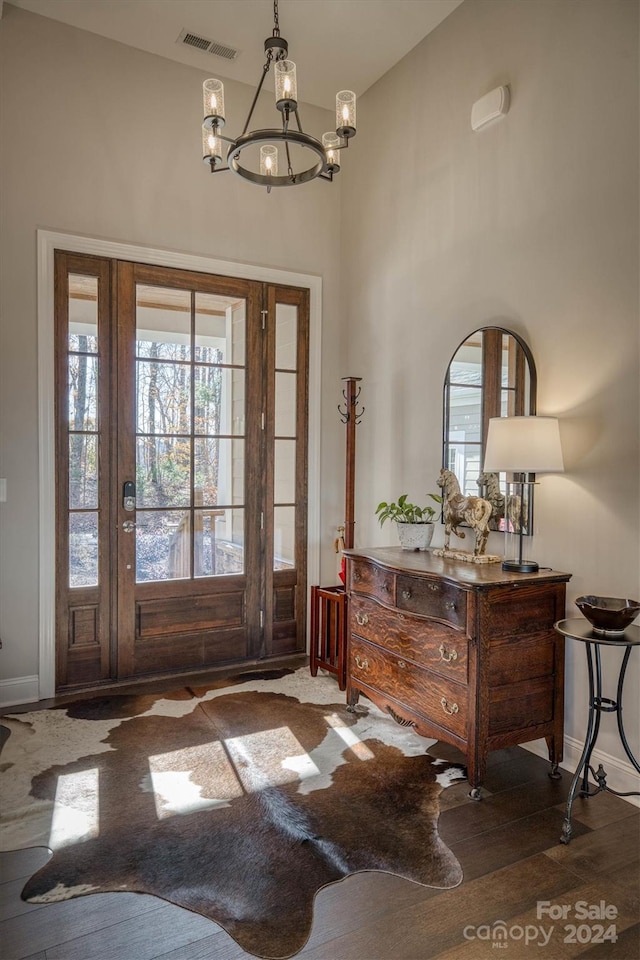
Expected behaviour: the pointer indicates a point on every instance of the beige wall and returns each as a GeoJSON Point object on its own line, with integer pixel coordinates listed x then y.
{"type": "Point", "coordinates": [104, 140]}
{"type": "Point", "coordinates": [531, 224]}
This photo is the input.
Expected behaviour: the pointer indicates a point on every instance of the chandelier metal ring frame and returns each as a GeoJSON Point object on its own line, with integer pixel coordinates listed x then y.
{"type": "Point", "coordinates": [326, 153]}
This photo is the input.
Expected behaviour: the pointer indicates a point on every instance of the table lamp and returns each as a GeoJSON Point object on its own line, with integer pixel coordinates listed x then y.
{"type": "Point", "coordinates": [521, 446]}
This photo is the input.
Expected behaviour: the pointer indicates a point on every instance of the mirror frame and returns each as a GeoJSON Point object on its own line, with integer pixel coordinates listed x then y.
{"type": "Point", "coordinates": [491, 387]}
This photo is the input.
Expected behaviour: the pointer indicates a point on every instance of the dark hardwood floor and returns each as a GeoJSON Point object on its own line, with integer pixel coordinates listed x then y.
{"type": "Point", "coordinates": [512, 861]}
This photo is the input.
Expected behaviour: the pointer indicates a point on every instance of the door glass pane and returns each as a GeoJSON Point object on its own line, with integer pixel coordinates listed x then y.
{"type": "Point", "coordinates": [82, 422]}
{"type": "Point", "coordinates": [83, 314]}
{"type": "Point", "coordinates": [163, 323]}
{"type": "Point", "coordinates": [285, 405]}
{"type": "Point", "coordinates": [83, 549]}
{"type": "Point", "coordinates": [163, 545]}
{"type": "Point", "coordinates": [218, 400]}
{"type": "Point", "coordinates": [163, 472]}
{"type": "Point", "coordinates": [284, 525]}
{"type": "Point", "coordinates": [83, 391]}
{"type": "Point", "coordinates": [218, 542]}
{"type": "Point", "coordinates": [219, 471]}
{"type": "Point", "coordinates": [220, 329]}
{"type": "Point", "coordinates": [286, 336]}
{"type": "Point", "coordinates": [163, 397]}
{"type": "Point", "coordinates": [284, 487]}
{"type": "Point", "coordinates": [83, 470]}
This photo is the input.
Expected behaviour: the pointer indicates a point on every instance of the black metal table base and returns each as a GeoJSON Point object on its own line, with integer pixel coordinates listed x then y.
{"type": "Point", "coordinates": [597, 706]}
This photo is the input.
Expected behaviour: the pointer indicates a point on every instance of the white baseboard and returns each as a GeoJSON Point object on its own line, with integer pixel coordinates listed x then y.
{"type": "Point", "coordinates": [621, 775]}
{"type": "Point", "coordinates": [18, 690]}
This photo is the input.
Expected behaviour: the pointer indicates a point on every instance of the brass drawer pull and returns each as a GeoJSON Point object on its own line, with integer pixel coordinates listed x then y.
{"type": "Point", "coordinates": [361, 619]}
{"type": "Point", "coordinates": [445, 655]}
{"type": "Point", "coordinates": [449, 605]}
{"type": "Point", "coordinates": [386, 587]}
{"type": "Point", "coordinates": [401, 664]}
{"type": "Point", "coordinates": [406, 594]}
{"type": "Point", "coordinates": [356, 576]}
{"type": "Point", "coordinates": [361, 664]}
{"type": "Point", "coordinates": [450, 710]}
{"type": "Point", "coordinates": [433, 586]}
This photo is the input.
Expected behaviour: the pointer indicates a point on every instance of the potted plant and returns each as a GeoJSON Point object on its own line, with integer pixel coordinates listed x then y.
{"type": "Point", "coordinates": [414, 523]}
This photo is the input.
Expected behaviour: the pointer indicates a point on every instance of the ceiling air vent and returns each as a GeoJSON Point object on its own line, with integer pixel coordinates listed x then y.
{"type": "Point", "coordinates": [207, 46]}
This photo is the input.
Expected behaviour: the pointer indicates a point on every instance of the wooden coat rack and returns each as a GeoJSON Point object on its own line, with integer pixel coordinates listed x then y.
{"type": "Point", "coordinates": [329, 604]}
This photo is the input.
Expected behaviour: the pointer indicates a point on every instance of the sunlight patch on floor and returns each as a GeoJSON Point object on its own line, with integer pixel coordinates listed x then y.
{"type": "Point", "coordinates": [76, 809]}
{"type": "Point", "coordinates": [191, 779]}
{"type": "Point", "coordinates": [270, 758]}
{"type": "Point", "coordinates": [345, 733]}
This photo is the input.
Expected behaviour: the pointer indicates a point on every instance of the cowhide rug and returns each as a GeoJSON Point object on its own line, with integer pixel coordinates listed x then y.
{"type": "Point", "coordinates": [238, 801]}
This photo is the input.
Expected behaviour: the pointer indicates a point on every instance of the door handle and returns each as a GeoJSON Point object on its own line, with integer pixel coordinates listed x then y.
{"type": "Point", "coordinates": [128, 526]}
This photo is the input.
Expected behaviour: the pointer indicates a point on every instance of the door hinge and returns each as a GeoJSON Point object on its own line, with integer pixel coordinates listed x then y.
{"type": "Point", "coordinates": [264, 318]}
{"type": "Point", "coordinates": [263, 419]}
{"type": "Point", "coordinates": [261, 619]}
{"type": "Point", "coordinates": [262, 521]}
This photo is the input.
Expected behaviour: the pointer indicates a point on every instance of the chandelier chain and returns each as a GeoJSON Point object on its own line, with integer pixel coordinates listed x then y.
{"type": "Point", "coordinates": [276, 22]}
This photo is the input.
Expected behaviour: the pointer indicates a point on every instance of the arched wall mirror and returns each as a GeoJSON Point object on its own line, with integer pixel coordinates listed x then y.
{"type": "Point", "coordinates": [491, 374]}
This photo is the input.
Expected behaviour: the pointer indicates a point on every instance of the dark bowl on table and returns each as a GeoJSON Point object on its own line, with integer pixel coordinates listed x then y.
{"type": "Point", "coordinates": [609, 616]}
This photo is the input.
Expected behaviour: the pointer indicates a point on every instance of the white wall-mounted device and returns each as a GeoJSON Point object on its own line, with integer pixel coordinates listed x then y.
{"type": "Point", "coordinates": [490, 107]}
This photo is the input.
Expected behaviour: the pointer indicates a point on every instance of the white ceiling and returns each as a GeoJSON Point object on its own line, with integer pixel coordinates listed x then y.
{"type": "Point", "coordinates": [336, 44]}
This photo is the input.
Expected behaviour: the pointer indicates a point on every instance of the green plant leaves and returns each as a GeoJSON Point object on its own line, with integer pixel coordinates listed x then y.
{"type": "Point", "coordinates": [406, 512]}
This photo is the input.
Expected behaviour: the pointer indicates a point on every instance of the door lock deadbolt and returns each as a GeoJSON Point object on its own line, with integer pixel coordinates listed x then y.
{"type": "Point", "coordinates": [129, 495]}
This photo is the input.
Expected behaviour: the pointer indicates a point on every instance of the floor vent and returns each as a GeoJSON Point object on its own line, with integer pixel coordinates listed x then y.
{"type": "Point", "coordinates": [207, 46]}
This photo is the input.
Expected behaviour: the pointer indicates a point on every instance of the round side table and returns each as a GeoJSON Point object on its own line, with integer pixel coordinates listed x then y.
{"type": "Point", "coordinates": [580, 629]}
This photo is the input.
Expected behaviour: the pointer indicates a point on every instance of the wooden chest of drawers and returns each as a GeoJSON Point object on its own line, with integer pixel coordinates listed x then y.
{"type": "Point", "coordinates": [464, 653]}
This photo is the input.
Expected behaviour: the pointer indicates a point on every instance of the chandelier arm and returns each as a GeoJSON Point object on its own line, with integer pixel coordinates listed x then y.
{"type": "Point", "coordinates": [265, 71]}
{"type": "Point", "coordinates": [297, 115]}
{"type": "Point", "coordinates": [289, 167]}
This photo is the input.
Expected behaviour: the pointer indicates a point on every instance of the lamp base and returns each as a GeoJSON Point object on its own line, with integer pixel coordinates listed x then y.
{"type": "Point", "coordinates": [520, 566]}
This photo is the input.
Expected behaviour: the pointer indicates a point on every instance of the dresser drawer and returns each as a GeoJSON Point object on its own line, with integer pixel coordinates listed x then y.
{"type": "Point", "coordinates": [429, 695]}
{"type": "Point", "coordinates": [427, 642]}
{"type": "Point", "coordinates": [372, 581]}
{"type": "Point", "coordinates": [432, 598]}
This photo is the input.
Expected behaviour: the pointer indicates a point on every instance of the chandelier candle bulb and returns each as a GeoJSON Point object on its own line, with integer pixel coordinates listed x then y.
{"type": "Point", "coordinates": [269, 160]}
{"type": "Point", "coordinates": [211, 145]}
{"type": "Point", "coordinates": [331, 144]}
{"type": "Point", "coordinates": [213, 99]}
{"type": "Point", "coordinates": [286, 85]}
{"type": "Point", "coordinates": [346, 114]}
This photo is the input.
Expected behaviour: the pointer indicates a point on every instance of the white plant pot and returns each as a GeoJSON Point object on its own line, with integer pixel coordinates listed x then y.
{"type": "Point", "coordinates": [415, 536]}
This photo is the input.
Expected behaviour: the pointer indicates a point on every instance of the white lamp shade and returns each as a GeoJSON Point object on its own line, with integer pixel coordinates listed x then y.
{"type": "Point", "coordinates": [523, 445]}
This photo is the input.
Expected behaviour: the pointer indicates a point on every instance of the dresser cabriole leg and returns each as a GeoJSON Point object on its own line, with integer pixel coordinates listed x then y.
{"type": "Point", "coordinates": [352, 699]}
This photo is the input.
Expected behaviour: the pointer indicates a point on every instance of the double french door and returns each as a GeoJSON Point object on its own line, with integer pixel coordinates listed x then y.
{"type": "Point", "coordinates": [181, 455]}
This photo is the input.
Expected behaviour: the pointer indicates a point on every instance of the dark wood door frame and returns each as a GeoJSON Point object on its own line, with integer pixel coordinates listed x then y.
{"type": "Point", "coordinates": [264, 600]}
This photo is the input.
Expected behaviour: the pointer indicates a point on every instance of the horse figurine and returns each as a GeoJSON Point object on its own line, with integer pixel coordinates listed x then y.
{"type": "Point", "coordinates": [489, 486]}
{"type": "Point", "coordinates": [489, 482]}
{"type": "Point", "coordinates": [458, 509]}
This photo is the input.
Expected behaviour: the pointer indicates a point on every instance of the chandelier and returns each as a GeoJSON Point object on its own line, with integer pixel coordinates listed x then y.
{"type": "Point", "coordinates": [257, 155]}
